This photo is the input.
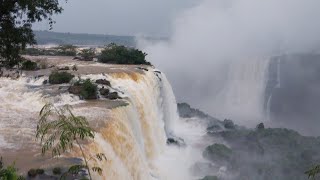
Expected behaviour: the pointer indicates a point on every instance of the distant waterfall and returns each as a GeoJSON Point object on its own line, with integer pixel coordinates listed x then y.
{"type": "Point", "coordinates": [242, 91]}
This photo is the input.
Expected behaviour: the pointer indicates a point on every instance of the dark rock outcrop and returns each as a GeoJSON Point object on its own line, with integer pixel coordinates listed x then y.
{"type": "Point", "coordinates": [176, 141]}
{"type": "Point", "coordinates": [113, 96]}
{"type": "Point", "coordinates": [104, 92]}
{"type": "Point", "coordinates": [103, 81]}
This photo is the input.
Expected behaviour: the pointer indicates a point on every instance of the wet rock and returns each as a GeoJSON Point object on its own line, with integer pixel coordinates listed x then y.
{"type": "Point", "coordinates": [76, 89]}
{"type": "Point", "coordinates": [32, 173]}
{"type": "Point", "coordinates": [104, 92]}
{"type": "Point", "coordinates": [103, 81]}
{"type": "Point", "coordinates": [113, 96]}
{"type": "Point", "coordinates": [142, 68]}
{"type": "Point", "coordinates": [176, 141]}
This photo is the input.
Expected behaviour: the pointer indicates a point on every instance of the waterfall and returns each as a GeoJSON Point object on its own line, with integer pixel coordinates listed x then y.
{"type": "Point", "coordinates": [241, 92]}
{"type": "Point", "coordinates": [131, 132]}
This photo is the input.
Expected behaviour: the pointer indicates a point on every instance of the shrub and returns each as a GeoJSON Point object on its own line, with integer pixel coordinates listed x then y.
{"type": "Point", "coordinates": [89, 90]}
{"type": "Point", "coordinates": [29, 65]}
{"type": "Point", "coordinates": [122, 55]}
{"type": "Point", "coordinates": [87, 54]}
{"type": "Point", "coordinates": [60, 77]}
{"type": "Point", "coordinates": [56, 170]}
{"type": "Point", "coordinates": [84, 88]}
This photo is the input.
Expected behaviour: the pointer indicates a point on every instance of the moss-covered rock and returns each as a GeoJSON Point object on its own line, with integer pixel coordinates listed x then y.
{"type": "Point", "coordinates": [85, 89]}
{"type": "Point", "coordinates": [60, 77]}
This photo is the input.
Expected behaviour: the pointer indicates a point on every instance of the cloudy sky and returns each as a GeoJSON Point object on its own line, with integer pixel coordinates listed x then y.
{"type": "Point", "coordinates": [119, 17]}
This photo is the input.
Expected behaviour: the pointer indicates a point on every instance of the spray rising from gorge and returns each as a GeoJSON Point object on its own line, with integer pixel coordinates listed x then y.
{"type": "Point", "coordinates": [218, 54]}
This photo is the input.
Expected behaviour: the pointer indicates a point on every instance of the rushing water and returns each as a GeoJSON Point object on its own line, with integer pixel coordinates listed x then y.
{"type": "Point", "coordinates": [132, 133]}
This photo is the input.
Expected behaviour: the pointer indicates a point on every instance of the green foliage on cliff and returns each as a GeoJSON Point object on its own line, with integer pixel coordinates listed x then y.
{"type": "Point", "coordinates": [118, 54]}
{"type": "Point", "coordinates": [268, 153]}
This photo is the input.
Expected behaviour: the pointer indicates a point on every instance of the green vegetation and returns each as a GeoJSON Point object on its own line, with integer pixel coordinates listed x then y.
{"type": "Point", "coordinates": [217, 153]}
{"type": "Point", "coordinates": [261, 152]}
{"type": "Point", "coordinates": [59, 130]}
{"type": "Point", "coordinates": [122, 55]}
{"type": "Point", "coordinates": [87, 54]}
{"type": "Point", "coordinates": [9, 172]}
{"type": "Point", "coordinates": [16, 19]}
{"type": "Point", "coordinates": [313, 172]}
{"type": "Point", "coordinates": [60, 77]}
{"type": "Point", "coordinates": [85, 89]}
{"type": "Point", "coordinates": [29, 65]}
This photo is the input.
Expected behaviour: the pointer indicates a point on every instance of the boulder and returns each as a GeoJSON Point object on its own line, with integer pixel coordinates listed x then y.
{"type": "Point", "coordinates": [103, 81]}
{"type": "Point", "coordinates": [113, 96]}
{"type": "Point", "coordinates": [104, 92]}
{"type": "Point", "coordinates": [176, 141]}
{"type": "Point", "coordinates": [75, 89]}
{"type": "Point", "coordinates": [45, 82]}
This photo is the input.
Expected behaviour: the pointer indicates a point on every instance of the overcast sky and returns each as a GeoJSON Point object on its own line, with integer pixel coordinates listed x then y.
{"type": "Point", "coordinates": [119, 17]}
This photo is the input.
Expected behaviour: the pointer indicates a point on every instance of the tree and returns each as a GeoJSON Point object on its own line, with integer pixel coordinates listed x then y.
{"type": "Point", "coordinates": [16, 18]}
{"type": "Point", "coordinates": [59, 129]}
{"type": "Point", "coordinates": [113, 53]}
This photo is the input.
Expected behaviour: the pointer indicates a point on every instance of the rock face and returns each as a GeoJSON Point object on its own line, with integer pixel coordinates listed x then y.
{"type": "Point", "coordinates": [103, 81]}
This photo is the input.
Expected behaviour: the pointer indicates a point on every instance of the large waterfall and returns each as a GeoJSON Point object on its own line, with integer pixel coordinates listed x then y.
{"type": "Point", "coordinates": [240, 91]}
{"type": "Point", "coordinates": [131, 132]}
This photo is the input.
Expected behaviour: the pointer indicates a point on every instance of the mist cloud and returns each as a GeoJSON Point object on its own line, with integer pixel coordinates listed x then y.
{"type": "Point", "coordinates": [211, 41]}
